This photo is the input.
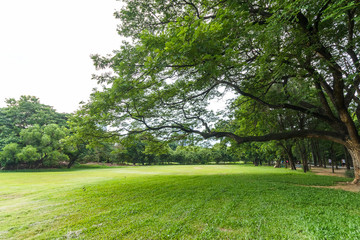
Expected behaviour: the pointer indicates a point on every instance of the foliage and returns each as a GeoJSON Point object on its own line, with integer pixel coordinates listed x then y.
{"type": "Point", "coordinates": [28, 111]}
{"type": "Point", "coordinates": [31, 134]}
{"type": "Point", "coordinates": [38, 147]}
{"type": "Point", "coordinates": [349, 173]}
{"type": "Point", "coordinates": [201, 155]}
{"type": "Point", "coordinates": [23, 113]}
{"type": "Point", "coordinates": [177, 63]}
{"type": "Point", "coordinates": [8, 157]}
{"type": "Point", "coordinates": [295, 59]}
{"type": "Point", "coordinates": [27, 154]}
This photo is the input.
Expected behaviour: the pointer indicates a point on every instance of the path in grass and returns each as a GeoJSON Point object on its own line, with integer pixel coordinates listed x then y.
{"type": "Point", "coordinates": [175, 202]}
{"type": "Point", "coordinates": [341, 172]}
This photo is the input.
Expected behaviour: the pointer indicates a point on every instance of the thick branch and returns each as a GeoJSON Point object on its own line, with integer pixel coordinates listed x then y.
{"type": "Point", "coordinates": [320, 49]}
{"type": "Point", "coordinates": [198, 14]}
{"type": "Point", "coordinates": [326, 135]}
{"type": "Point", "coordinates": [318, 16]}
{"type": "Point", "coordinates": [354, 58]}
{"type": "Point", "coordinates": [331, 136]}
{"type": "Point", "coordinates": [280, 106]}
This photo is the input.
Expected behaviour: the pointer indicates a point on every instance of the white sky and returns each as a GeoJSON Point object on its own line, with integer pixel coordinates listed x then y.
{"type": "Point", "coordinates": [45, 48]}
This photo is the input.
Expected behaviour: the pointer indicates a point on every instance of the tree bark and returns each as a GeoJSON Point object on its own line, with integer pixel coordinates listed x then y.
{"type": "Point", "coordinates": [315, 154]}
{"type": "Point", "coordinates": [71, 162]}
{"type": "Point", "coordinates": [354, 151]}
{"type": "Point", "coordinates": [288, 150]}
{"type": "Point", "coordinates": [303, 155]}
{"type": "Point", "coordinates": [333, 157]}
{"type": "Point", "coordinates": [347, 159]}
{"type": "Point", "coordinates": [291, 159]}
{"type": "Point", "coordinates": [324, 160]}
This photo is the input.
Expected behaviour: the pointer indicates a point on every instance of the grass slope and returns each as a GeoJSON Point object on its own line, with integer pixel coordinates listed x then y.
{"type": "Point", "coordinates": [175, 202]}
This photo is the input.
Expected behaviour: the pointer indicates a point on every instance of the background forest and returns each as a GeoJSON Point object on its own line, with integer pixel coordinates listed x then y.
{"type": "Point", "coordinates": [34, 135]}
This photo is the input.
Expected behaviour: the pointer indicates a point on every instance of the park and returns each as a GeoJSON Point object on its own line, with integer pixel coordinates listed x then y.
{"type": "Point", "coordinates": [217, 119]}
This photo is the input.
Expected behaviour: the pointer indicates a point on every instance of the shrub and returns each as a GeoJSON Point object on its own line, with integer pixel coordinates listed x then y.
{"type": "Point", "coordinates": [350, 173]}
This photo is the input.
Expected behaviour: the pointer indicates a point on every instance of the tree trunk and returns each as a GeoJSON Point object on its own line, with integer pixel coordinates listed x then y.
{"type": "Point", "coordinates": [71, 162]}
{"type": "Point", "coordinates": [277, 164]}
{"type": "Point", "coordinates": [291, 159]}
{"type": "Point", "coordinates": [303, 155]}
{"type": "Point", "coordinates": [314, 153]}
{"type": "Point", "coordinates": [288, 151]}
{"type": "Point", "coordinates": [333, 156]}
{"type": "Point", "coordinates": [347, 158]}
{"type": "Point", "coordinates": [354, 151]}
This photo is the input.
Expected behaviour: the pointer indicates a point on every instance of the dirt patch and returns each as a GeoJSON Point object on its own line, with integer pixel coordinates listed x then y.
{"type": "Point", "coordinates": [9, 196]}
{"type": "Point", "coordinates": [225, 230]}
{"type": "Point", "coordinates": [346, 186]}
{"type": "Point", "coordinates": [328, 171]}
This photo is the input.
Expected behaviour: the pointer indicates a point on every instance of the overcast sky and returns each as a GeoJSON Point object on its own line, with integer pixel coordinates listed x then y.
{"type": "Point", "coordinates": [45, 48]}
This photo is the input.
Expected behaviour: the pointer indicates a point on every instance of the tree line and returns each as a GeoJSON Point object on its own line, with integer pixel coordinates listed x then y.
{"type": "Point", "coordinates": [34, 135]}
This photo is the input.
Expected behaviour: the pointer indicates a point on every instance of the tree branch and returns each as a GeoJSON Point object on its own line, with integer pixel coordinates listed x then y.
{"type": "Point", "coordinates": [279, 106]}
{"type": "Point", "coordinates": [318, 16]}
{"type": "Point", "coordinates": [331, 136]}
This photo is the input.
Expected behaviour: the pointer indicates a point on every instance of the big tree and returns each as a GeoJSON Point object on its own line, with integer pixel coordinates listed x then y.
{"type": "Point", "coordinates": [298, 56]}
{"type": "Point", "coordinates": [38, 147]}
{"type": "Point", "coordinates": [23, 113]}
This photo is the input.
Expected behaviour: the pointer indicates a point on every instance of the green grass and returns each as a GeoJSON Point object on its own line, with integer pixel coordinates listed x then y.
{"type": "Point", "coordinates": [175, 202]}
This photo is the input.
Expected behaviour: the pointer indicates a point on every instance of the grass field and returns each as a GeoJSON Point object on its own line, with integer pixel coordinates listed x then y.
{"type": "Point", "coordinates": [175, 202]}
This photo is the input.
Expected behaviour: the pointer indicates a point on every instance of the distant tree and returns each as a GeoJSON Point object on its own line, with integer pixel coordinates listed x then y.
{"type": "Point", "coordinates": [28, 155]}
{"type": "Point", "coordinates": [28, 111]}
{"type": "Point", "coordinates": [23, 113]}
{"type": "Point", "coordinates": [134, 150]}
{"type": "Point", "coordinates": [76, 149]}
{"type": "Point", "coordinates": [220, 152]}
{"type": "Point", "coordinates": [37, 147]}
{"type": "Point", "coordinates": [9, 155]}
{"type": "Point", "coordinates": [8, 132]}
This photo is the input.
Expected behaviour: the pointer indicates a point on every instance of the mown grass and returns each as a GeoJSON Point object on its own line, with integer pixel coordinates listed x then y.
{"type": "Point", "coordinates": [175, 202]}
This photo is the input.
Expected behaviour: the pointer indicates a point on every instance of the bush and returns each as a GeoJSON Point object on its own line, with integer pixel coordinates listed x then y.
{"type": "Point", "coordinates": [8, 157]}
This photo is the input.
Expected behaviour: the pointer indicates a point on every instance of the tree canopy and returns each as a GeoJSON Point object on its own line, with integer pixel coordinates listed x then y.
{"type": "Point", "coordinates": [23, 113]}
{"type": "Point", "coordinates": [296, 59]}
{"type": "Point", "coordinates": [31, 134]}
{"type": "Point", "coordinates": [38, 147]}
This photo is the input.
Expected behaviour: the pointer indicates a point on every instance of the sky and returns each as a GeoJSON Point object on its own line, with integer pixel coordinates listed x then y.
{"type": "Point", "coordinates": [45, 48]}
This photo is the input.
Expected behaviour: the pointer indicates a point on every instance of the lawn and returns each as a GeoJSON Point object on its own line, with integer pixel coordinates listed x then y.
{"type": "Point", "coordinates": [176, 202]}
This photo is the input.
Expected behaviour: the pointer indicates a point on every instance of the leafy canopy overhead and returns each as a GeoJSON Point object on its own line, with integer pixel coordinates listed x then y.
{"type": "Point", "coordinates": [288, 56]}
